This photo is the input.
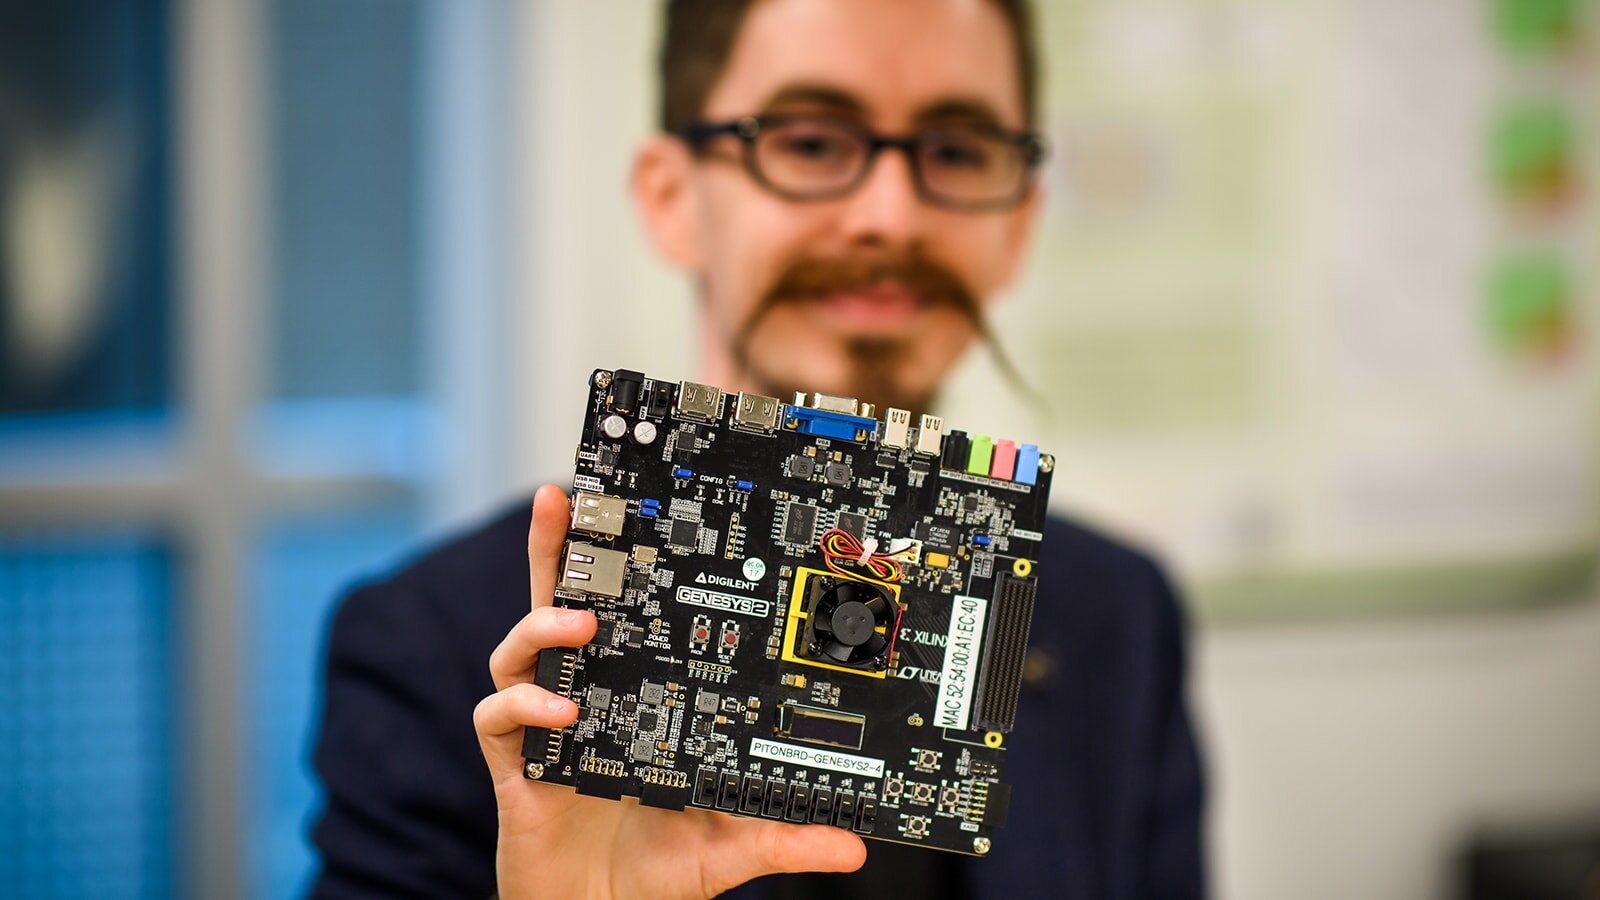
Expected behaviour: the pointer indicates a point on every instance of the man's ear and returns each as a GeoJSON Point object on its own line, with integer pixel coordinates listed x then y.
{"type": "Point", "coordinates": [664, 195]}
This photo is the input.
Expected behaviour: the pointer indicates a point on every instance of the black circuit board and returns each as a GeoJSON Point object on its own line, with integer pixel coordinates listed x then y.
{"type": "Point", "coordinates": [738, 667]}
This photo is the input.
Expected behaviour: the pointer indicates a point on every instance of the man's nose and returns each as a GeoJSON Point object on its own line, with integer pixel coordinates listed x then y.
{"type": "Point", "coordinates": [885, 208]}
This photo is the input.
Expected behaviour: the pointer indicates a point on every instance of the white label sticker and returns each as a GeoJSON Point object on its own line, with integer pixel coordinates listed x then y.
{"type": "Point", "coordinates": [957, 681]}
{"type": "Point", "coordinates": [817, 758]}
{"type": "Point", "coordinates": [745, 606]}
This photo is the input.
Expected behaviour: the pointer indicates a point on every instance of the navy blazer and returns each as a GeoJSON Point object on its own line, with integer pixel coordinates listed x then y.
{"type": "Point", "coordinates": [1107, 790]}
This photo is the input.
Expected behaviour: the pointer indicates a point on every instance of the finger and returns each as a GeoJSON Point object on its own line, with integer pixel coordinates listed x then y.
{"type": "Point", "coordinates": [546, 531]}
{"type": "Point", "coordinates": [809, 848]}
{"type": "Point", "coordinates": [519, 706]}
{"type": "Point", "coordinates": [765, 848]}
{"type": "Point", "coordinates": [548, 626]}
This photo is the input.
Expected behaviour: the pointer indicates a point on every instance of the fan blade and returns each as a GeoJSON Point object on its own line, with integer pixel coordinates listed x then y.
{"type": "Point", "coordinates": [846, 590]}
{"type": "Point", "coordinates": [872, 596]}
{"type": "Point", "coordinates": [871, 648]}
{"type": "Point", "coordinates": [838, 651]}
{"type": "Point", "coordinates": [880, 608]}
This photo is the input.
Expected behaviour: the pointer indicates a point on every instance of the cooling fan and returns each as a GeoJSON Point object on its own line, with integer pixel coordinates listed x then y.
{"type": "Point", "coordinates": [848, 623]}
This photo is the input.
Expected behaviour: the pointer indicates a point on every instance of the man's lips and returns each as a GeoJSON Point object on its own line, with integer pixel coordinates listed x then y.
{"type": "Point", "coordinates": [879, 308]}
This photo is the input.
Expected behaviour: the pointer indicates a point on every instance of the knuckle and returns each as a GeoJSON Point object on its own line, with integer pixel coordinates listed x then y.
{"type": "Point", "coordinates": [483, 712]}
{"type": "Point", "coordinates": [517, 640]}
{"type": "Point", "coordinates": [497, 658]}
{"type": "Point", "coordinates": [522, 693]}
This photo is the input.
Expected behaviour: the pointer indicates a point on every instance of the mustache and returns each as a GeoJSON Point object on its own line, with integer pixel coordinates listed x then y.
{"type": "Point", "coordinates": [917, 274]}
{"type": "Point", "coordinates": [935, 284]}
{"type": "Point", "coordinates": [810, 277]}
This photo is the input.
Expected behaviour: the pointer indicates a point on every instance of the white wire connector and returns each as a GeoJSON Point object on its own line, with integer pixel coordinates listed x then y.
{"type": "Point", "coordinates": [868, 547]}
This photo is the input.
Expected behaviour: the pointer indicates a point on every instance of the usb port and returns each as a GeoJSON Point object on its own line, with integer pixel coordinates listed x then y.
{"type": "Point", "coordinates": [599, 514]}
{"type": "Point", "coordinates": [930, 432]}
{"type": "Point", "coordinates": [896, 429]}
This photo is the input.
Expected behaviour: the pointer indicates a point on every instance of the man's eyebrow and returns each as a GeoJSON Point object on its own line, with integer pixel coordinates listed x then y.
{"type": "Point", "coordinates": [966, 108]}
{"type": "Point", "coordinates": [970, 109]}
{"type": "Point", "coordinates": [818, 95]}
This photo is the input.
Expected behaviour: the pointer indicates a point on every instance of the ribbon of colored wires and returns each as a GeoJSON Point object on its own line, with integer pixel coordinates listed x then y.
{"type": "Point", "coordinates": [840, 546]}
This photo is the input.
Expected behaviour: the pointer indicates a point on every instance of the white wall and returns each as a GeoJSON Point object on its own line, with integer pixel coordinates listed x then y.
{"type": "Point", "coordinates": [1352, 760]}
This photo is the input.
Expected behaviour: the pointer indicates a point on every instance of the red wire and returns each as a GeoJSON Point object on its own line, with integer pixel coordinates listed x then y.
{"type": "Point", "coordinates": [898, 612]}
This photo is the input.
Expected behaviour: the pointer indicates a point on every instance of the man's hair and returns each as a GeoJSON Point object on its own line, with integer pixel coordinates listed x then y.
{"type": "Point", "coordinates": [699, 36]}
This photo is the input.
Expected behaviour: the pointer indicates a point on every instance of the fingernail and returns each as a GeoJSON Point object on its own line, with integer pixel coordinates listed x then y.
{"type": "Point", "coordinates": [571, 616]}
{"type": "Point", "coordinates": [556, 703]}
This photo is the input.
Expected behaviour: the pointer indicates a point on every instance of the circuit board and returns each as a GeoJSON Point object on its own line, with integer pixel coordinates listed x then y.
{"type": "Point", "coordinates": [805, 613]}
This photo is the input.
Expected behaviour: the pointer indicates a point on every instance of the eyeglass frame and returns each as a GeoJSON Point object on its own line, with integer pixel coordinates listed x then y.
{"type": "Point", "coordinates": [1032, 145]}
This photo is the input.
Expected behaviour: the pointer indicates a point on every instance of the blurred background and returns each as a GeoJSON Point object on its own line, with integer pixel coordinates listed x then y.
{"type": "Point", "coordinates": [288, 287]}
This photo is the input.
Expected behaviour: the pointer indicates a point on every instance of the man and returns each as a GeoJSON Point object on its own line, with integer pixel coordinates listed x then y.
{"type": "Point", "coordinates": [850, 182]}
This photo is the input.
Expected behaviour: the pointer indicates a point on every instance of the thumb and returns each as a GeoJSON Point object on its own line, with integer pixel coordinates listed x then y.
{"type": "Point", "coordinates": [764, 848]}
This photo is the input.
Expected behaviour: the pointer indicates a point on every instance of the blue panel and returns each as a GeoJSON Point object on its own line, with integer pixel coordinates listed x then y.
{"type": "Point", "coordinates": [84, 100]}
{"type": "Point", "coordinates": [394, 437]}
{"type": "Point", "coordinates": [345, 132]}
{"type": "Point", "coordinates": [298, 569]}
{"type": "Point", "coordinates": [85, 745]}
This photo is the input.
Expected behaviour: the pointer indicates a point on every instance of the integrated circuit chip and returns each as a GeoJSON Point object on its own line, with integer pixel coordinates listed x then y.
{"type": "Point", "coordinates": [799, 523]}
{"type": "Point", "coordinates": [685, 533]}
{"type": "Point", "coordinates": [937, 538]}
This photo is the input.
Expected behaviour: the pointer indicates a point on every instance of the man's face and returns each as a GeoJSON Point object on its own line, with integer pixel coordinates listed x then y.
{"type": "Point", "coordinates": [874, 329]}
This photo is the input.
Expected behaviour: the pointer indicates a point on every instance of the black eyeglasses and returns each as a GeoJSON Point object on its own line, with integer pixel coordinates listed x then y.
{"type": "Point", "coordinates": [964, 167]}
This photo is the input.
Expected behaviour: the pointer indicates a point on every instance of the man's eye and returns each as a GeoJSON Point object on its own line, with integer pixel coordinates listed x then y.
{"type": "Point", "coordinates": [958, 154]}
{"type": "Point", "coordinates": [813, 146]}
